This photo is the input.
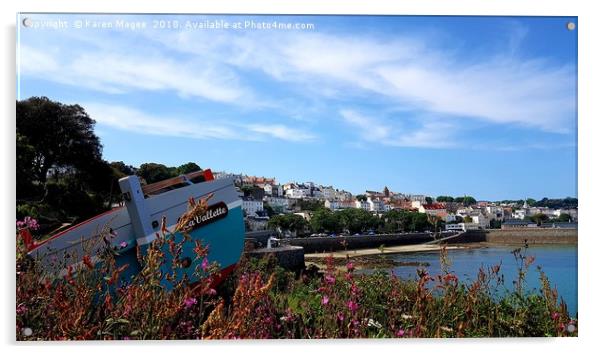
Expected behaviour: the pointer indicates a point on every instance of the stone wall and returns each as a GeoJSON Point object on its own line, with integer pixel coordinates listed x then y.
{"type": "Point", "coordinates": [519, 236]}
{"type": "Point", "coordinates": [331, 244]}
{"type": "Point", "coordinates": [289, 257]}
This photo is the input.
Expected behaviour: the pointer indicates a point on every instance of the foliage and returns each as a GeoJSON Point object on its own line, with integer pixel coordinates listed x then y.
{"type": "Point", "coordinates": [445, 198]}
{"type": "Point", "coordinates": [403, 221]}
{"type": "Point", "coordinates": [56, 135]}
{"type": "Point", "coordinates": [539, 218]}
{"type": "Point", "coordinates": [261, 300]}
{"type": "Point", "coordinates": [288, 222]}
{"type": "Point", "coordinates": [466, 200]}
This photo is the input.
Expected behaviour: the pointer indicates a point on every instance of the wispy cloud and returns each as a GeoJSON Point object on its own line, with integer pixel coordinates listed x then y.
{"type": "Point", "coordinates": [116, 73]}
{"type": "Point", "coordinates": [139, 122]}
{"type": "Point", "coordinates": [295, 73]}
{"type": "Point", "coordinates": [282, 132]}
{"type": "Point", "coordinates": [429, 133]}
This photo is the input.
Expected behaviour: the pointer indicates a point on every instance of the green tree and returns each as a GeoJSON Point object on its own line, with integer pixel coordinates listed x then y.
{"type": "Point", "coordinates": [60, 135]}
{"type": "Point", "coordinates": [187, 168]}
{"type": "Point", "coordinates": [539, 218]}
{"type": "Point", "coordinates": [357, 220]}
{"type": "Point", "coordinates": [122, 169]}
{"type": "Point", "coordinates": [361, 197]}
{"type": "Point", "coordinates": [153, 172]}
{"type": "Point", "coordinates": [564, 218]}
{"type": "Point", "coordinates": [288, 222]}
{"type": "Point", "coordinates": [429, 200]}
{"type": "Point", "coordinates": [444, 198]}
{"type": "Point", "coordinates": [325, 220]}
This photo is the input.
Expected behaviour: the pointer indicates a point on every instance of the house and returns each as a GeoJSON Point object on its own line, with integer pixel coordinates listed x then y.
{"type": "Point", "coordinates": [297, 193]}
{"type": "Point", "coordinates": [375, 205]}
{"type": "Point", "coordinates": [435, 209]}
{"type": "Point", "coordinates": [251, 206]}
{"type": "Point", "coordinates": [280, 205]}
{"type": "Point", "coordinates": [360, 204]}
{"type": "Point", "coordinates": [517, 224]}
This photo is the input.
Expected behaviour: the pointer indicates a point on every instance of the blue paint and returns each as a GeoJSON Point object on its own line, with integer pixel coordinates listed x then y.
{"type": "Point", "coordinates": [224, 237]}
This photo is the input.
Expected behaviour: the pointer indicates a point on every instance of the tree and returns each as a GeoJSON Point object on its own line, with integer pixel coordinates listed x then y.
{"type": "Point", "coordinates": [361, 197]}
{"type": "Point", "coordinates": [268, 209]}
{"type": "Point", "coordinates": [187, 168]}
{"type": "Point", "coordinates": [153, 172]}
{"type": "Point", "coordinates": [564, 218]}
{"type": "Point", "coordinates": [325, 220]}
{"type": "Point", "coordinates": [467, 219]}
{"type": "Point", "coordinates": [428, 200]}
{"type": "Point", "coordinates": [122, 169]}
{"type": "Point", "coordinates": [288, 222]}
{"type": "Point", "coordinates": [466, 200]}
{"type": "Point", "coordinates": [60, 135]}
{"type": "Point", "coordinates": [444, 198]}
{"type": "Point", "coordinates": [539, 218]}
{"type": "Point", "coordinates": [357, 220]}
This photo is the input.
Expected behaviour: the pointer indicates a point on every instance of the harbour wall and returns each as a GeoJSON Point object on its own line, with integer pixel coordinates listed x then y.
{"type": "Point", "coordinates": [519, 236]}
{"type": "Point", "coordinates": [331, 244]}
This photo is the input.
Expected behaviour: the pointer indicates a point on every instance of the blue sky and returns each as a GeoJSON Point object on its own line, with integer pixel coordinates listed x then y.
{"type": "Point", "coordinates": [483, 106]}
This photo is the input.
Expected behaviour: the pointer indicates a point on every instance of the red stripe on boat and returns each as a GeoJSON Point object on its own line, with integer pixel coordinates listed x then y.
{"type": "Point", "coordinates": [36, 245]}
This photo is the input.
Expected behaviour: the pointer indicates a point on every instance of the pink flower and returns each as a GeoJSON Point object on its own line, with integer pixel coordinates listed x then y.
{"type": "Point", "coordinates": [555, 316]}
{"type": "Point", "coordinates": [325, 300]}
{"type": "Point", "coordinates": [329, 279]}
{"type": "Point", "coordinates": [21, 309]}
{"type": "Point", "coordinates": [212, 292]}
{"type": "Point", "coordinates": [340, 316]}
{"type": "Point", "coordinates": [123, 244]}
{"type": "Point", "coordinates": [352, 306]}
{"type": "Point", "coordinates": [205, 264]}
{"type": "Point", "coordinates": [400, 333]}
{"type": "Point", "coordinates": [350, 266]}
{"type": "Point", "coordinates": [188, 303]}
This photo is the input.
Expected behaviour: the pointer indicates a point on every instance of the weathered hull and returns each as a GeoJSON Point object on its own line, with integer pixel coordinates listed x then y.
{"type": "Point", "coordinates": [223, 235]}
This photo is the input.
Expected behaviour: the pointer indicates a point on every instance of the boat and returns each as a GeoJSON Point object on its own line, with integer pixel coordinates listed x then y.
{"type": "Point", "coordinates": [147, 212]}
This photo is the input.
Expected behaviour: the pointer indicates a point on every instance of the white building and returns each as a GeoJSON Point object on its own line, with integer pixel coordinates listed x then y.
{"type": "Point", "coordinates": [297, 193]}
{"type": "Point", "coordinates": [252, 206]}
{"type": "Point", "coordinates": [375, 205]}
{"type": "Point", "coordinates": [278, 204]}
{"type": "Point", "coordinates": [360, 204]}
{"type": "Point", "coordinates": [329, 193]}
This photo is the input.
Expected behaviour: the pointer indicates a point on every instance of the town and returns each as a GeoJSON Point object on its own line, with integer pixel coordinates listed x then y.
{"type": "Point", "coordinates": [291, 207]}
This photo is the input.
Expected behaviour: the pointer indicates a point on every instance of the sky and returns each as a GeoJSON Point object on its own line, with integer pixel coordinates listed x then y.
{"type": "Point", "coordinates": [481, 106]}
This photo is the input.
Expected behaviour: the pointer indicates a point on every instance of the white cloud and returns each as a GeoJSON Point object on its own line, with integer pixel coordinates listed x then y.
{"type": "Point", "coordinates": [429, 134]}
{"type": "Point", "coordinates": [385, 71]}
{"type": "Point", "coordinates": [114, 73]}
{"type": "Point", "coordinates": [282, 132]}
{"type": "Point", "coordinates": [135, 121]}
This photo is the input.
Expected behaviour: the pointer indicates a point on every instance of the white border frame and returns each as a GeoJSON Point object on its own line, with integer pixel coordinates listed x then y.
{"type": "Point", "coordinates": [589, 177]}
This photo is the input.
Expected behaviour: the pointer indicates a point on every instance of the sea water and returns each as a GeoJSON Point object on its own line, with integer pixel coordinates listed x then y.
{"type": "Point", "coordinates": [558, 262]}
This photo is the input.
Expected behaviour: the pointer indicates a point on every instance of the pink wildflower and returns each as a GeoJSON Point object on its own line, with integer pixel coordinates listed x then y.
{"type": "Point", "coordinates": [188, 303]}
{"type": "Point", "coordinates": [353, 306]}
{"type": "Point", "coordinates": [400, 333]}
{"type": "Point", "coordinates": [325, 300]}
{"type": "Point", "coordinates": [205, 264]}
{"type": "Point", "coordinates": [350, 266]}
{"type": "Point", "coordinates": [555, 316]}
{"type": "Point", "coordinates": [329, 279]}
{"type": "Point", "coordinates": [123, 244]}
